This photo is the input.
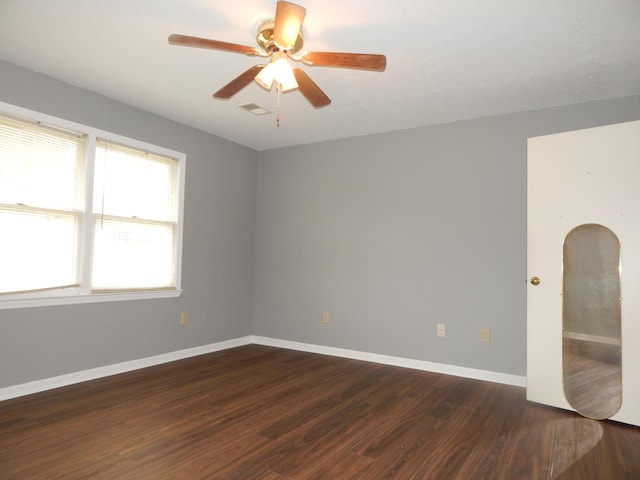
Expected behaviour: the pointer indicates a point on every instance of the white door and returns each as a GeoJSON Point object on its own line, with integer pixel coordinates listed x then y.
{"type": "Point", "coordinates": [585, 177]}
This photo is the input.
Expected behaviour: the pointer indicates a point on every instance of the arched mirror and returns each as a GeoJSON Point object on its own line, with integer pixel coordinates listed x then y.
{"type": "Point", "coordinates": [591, 320]}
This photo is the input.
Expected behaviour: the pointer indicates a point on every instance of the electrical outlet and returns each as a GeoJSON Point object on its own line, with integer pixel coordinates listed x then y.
{"type": "Point", "coordinates": [485, 335]}
{"type": "Point", "coordinates": [440, 330]}
{"type": "Point", "coordinates": [184, 318]}
{"type": "Point", "coordinates": [325, 317]}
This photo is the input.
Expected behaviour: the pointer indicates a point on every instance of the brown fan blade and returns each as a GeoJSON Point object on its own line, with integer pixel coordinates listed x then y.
{"type": "Point", "coordinates": [238, 83]}
{"type": "Point", "coordinates": [287, 24]}
{"type": "Point", "coordinates": [310, 90]}
{"type": "Point", "coordinates": [187, 41]}
{"type": "Point", "coordinates": [361, 61]}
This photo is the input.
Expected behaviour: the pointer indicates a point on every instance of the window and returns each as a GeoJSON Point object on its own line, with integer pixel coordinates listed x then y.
{"type": "Point", "coordinates": [85, 215]}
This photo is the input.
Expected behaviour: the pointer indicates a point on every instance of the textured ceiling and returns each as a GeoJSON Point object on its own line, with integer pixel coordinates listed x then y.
{"type": "Point", "coordinates": [446, 60]}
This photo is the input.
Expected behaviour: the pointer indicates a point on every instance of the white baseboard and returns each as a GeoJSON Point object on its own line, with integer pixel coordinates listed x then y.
{"type": "Point", "coordinates": [488, 376]}
{"type": "Point", "coordinates": [100, 372]}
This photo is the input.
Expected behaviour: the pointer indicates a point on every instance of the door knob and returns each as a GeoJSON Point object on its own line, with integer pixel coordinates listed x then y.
{"type": "Point", "coordinates": [535, 281]}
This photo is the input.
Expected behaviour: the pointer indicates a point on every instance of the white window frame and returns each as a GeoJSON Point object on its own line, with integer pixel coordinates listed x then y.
{"type": "Point", "coordinates": [84, 294]}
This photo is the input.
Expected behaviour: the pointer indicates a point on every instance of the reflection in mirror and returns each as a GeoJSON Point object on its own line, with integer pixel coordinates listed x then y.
{"type": "Point", "coordinates": [591, 318]}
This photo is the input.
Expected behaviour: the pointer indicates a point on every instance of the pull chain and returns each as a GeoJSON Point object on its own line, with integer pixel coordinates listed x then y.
{"type": "Point", "coordinates": [278, 89]}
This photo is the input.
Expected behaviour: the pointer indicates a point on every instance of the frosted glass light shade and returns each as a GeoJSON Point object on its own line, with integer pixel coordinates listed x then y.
{"type": "Point", "coordinates": [280, 72]}
{"type": "Point", "coordinates": [265, 77]}
{"type": "Point", "coordinates": [284, 75]}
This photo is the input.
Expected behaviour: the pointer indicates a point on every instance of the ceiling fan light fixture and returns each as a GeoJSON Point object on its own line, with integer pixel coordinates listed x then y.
{"type": "Point", "coordinates": [265, 77]}
{"type": "Point", "coordinates": [280, 72]}
{"type": "Point", "coordinates": [284, 75]}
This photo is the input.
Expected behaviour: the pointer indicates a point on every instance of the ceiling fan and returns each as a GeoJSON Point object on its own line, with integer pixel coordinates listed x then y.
{"type": "Point", "coordinates": [281, 39]}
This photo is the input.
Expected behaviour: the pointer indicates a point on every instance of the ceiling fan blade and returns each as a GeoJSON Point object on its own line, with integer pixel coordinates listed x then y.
{"type": "Point", "coordinates": [238, 83]}
{"type": "Point", "coordinates": [288, 21]}
{"type": "Point", "coordinates": [361, 61]}
{"type": "Point", "coordinates": [186, 41]}
{"type": "Point", "coordinates": [310, 90]}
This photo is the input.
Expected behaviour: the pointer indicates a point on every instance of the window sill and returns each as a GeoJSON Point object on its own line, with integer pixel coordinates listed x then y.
{"type": "Point", "coordinates": [93, 298]}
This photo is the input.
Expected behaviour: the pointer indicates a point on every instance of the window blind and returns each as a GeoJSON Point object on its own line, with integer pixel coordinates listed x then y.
{"type": "Point", "coordinates": [135, 219]}
{"type": "Point", "coordinates": [42, 199]}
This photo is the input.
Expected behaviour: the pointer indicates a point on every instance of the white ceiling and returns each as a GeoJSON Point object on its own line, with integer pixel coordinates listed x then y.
{"type": "Point", "coordinates": [446, 60]}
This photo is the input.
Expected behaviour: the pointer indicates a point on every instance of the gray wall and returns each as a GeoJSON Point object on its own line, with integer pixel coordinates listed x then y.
{"type": "Point", "coordinates": [394, 233]}
{"type": "Point", "coordinates": [390, 233]}
{"type": "Point", "coordinates": [218, 262]}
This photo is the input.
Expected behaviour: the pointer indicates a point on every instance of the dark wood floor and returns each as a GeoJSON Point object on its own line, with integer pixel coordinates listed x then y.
{"type": "Point", "coordinates": [261, 413]}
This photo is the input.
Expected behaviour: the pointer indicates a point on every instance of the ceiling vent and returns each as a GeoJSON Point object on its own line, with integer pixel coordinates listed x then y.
{"type": "Point", "coordinates": [255, 109]}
